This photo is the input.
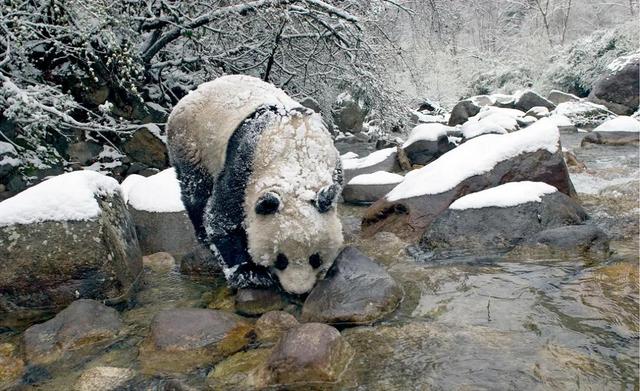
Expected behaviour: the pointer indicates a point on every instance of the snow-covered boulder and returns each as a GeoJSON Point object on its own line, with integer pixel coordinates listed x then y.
{"type": "Point", "coordinates": [583, 113]}
{"type": "Point", "coordinates": [499, 218]}
{"type": "Point", "coordinates": [619, 88]}
{"type": "Point", "coordinates": [556, 97]}
{"type": "Point", "coordinates": [68, 237]}
{"type": "Point", "coordinates": [160, 218]}
{"type": "Point", "coordinates": [538, 112]}
{"type": "Point", "coordinates": [528, 99]}
{"type": "Point", "coordinates": [533, 153]}
{"type": "Point", "coordinates": [369, 188]}
{"type": "Point", "coordinates": [382, 160]}
{"type": "Point", "coordinates": [503, 100]}
{"type": "Point", "coordinates": [462, 111]}
{"type": "Point", "coordinates": [472, 129]}
{"type": "Point", "coordinates": [426, 143]}
{"type": "Point", "coordinates": [563, 123]}
{"type": "Point", "coordinates": [525, 121]}
{"type": "Point", "coordinates": [621, 130]}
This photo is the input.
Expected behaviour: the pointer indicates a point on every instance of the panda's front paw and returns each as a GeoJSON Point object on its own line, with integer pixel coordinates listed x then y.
{"type": "Point", "coordinates": [249, 275]}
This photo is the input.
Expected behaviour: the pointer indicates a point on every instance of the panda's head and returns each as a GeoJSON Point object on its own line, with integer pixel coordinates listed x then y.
{"type": "Point", "coordinates": [291, 220]}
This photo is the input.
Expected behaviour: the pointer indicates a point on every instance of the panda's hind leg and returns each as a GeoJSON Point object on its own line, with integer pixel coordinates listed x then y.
{"type": "Point", "coordinates": [196, 186]}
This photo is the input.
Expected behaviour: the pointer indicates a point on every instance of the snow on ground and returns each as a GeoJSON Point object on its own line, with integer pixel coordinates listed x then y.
{"type": "Point", "coordinates": [69, 196]}
{"type": "Point", "coordinates": [376, 178]}
{"type": "Point", "coordinates": [503, 196]}
{"type": "Point", "coordinates": [128, 183]}
{"type": "Point", "coordinates": [157, 193]}
{"type": "Point", "coordinates": [349, 155]}
{"type": "Point", "coordinates": [506, 122]}
{"type": "Point", "coordinates": [426, 132]}
{"type": "Point", "coordinates": [476, 157]}
{"type": "Point", "coordinates": [560, 120]}
{"type": "Point", "coordinates": [622, 123]}
{"type": "Point", "coordinates": [369, 160]}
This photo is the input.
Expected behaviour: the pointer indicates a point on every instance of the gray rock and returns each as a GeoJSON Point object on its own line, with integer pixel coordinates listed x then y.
{"type": "Point", "coordinates": [83, 323]}
{"type": "Point", "coordinates": [382, 160]}
{"type": "Point", "coordinates": [537, 112]}
{"type": "Point", "coordinates": [185, 338]}
{"type": "Point", "coordinates": [103, 379]}
{"type": "Point", "coordinates": [530, 99]}
{"type": "Point", "coordinates": [170, 232]}
{"type": "Point", "coordinates": [48, 265]}
{"type": "Point", "coordinates": [462, 111]}
{"type": "Point", "coordinates": [348, 115]}
{"type": "Point", "coordinates": [371, 188]}
{"type": "Point", "coordinates": [556, 97]}
{"type": "Point", "coordinates": [611, 138]}
{"type": "Point", "coordinates": [619, 89]}
{"type": "Point", "coordinates": [312, 352]}
{"type": "Point", "coordinates": [146, 148]}
{"type": "Point", "coordinates": [312, 104]}
{"type": "Point", "coordinates": [573, 238]}
{"type": "Point", "coordinates": [136, 168]}
{"type": "Point", "coordinates": [356, 290]}
{"type": "Point", "coordinates": [200, 261]}
{"type": "Point", "coordinates": [252, 302]}
{"type": "Point", "coordinates": [83, 152]}
{"type": "Point", "coordinates": [271, 325]}
{"type": "Point", "coordinates": [423, 152]}
{"type": "Point", "coordinates": [490, 229]}
{"type": "Point", "coordinates": [583, 113]}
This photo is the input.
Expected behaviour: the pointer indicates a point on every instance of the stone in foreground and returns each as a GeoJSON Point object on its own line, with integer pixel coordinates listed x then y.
{"type": "Point", "coordinates": [270, 326]}
{"type": "Point", "coordinates": [312, 352]}
{"type": "Point", "coordinates": [356, 290]}
{"type": "Point", "coordinates": [253, 302]}
{"type": "Point", "coordinates": [69, 237]}
{"type": "Point", "coordinates": [84, 323]}
{"type": "Point", "coordinates": [183, 339]}
{"type": "Point", "coordinates": [368, 188]}
{"type": "Point", "coordinates": [103, 379]}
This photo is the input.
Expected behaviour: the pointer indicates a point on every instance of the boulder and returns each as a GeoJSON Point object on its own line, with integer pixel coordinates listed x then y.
{"type": "Point", "coordinates": [571, 239]}
{"type": "Point", "coordinates": [382, 160]}
{"type": "Point", "coordinates": [530, 99]}
{"type": "Point", "coordinates": [348, 114]}
{"type": "Point", "coordinates": [499, 218]}
{"type": "Point", "coordinates": [462, 111]}
{"type": "Point", "coordinates": [312, 352]}
{"type": "Point", "coordinates": [253, 302]}
{"type": "Point", "coordinates": [83, 152]}
{"type": "Point", "coordinates": [312, 104]}
{"type": "Point", "coordinates": [103, 379]}
{"type": "Point", "coordinates": [426, 143]}
{"type": "Point", "coordinates": [618, 89]}
{"type": "Point", "coordinates": [556, 97]}
{"type": "Point", "coordinates": [537, 112]}
{"type": "Point", "coordinates": [525, 121]}
{"type": "Point", "coordinates": [83, 324]}
{"type": "Point", "coordinates": [533, 154]}
{"type": "Point", "coordinates": [271, 325]}
{"type": "Point", "coordinates": [161, 222]}
{"type": "Point", "coordinates": [472, 129]}
{"type": "Point", "coordinates": [503, 101]}
{"type": "Point", "coordinates": [200, 261]}
{"type": "Point", "coordinates": [368, 188]}
{"type": "Point", "coordinates": [563, 123]}
{"type": "Point", "coordinates": [356, 290]}
{"type": "Point", "coordinates": [159, 262]}
{"type": "Point", "coordinates": [483, 100]}
{"type": "Point", "coordinates": [147, 148]}
{"type": "Point", "coordinates": [621, 130]}
{"type": "Point", "coordinates": [583, 113]}
{"type": "Point", "coordinates": [66, 238]}
{"type": "Point", "coordinates": [186, 338]}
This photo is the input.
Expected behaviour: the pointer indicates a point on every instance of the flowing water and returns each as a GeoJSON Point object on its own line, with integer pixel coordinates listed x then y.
{"type": "Point", "coordinates": [464, 324]}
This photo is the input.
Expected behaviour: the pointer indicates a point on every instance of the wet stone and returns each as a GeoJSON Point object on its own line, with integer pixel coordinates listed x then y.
{"type": "Point", "coordinates": [611, 138]}
{"type": "Point", "coordinates": [356, 290]}
{"type": "Point", "coordinates": [242, 371]}
{"type": "Point", "coordinates": [103, 379]}
{"type": "Point", "coordinates": [252, 302]}
{"type": "Point", "coordinates": [270, 326]}
{"type": "Point", "coordinates": [183, 339]}
{"type": "Point", "coordinates": [572, 239]}
{"type": "Point", "coordinates": [83, 323]}
{"type": "Point", "coordinates": [312, 352]}
{"type": "Point", "coordinates": [159, 262]}
{"type": "Point", "coordinates": [200, 261]}
{"type": "Point", "coordinates": [11, 365]}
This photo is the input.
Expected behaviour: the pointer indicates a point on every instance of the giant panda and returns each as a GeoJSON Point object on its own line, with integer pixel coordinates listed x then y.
{"type": "Point", "coordinates": [259, 177]}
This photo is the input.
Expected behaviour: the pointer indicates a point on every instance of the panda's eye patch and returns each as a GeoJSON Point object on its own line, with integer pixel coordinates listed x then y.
{"type": "Point", "coordinates": [267, 204]}
{"type": "Point", "coordinates": [315, 261]}
{"type": "Point", "coordinates": [325, 197]}
{"type": "Point", "coordinates": [281, 262]}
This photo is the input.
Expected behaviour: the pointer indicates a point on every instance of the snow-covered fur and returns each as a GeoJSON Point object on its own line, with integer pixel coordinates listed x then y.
{"type": "Point", "coordinates": [261, 194]}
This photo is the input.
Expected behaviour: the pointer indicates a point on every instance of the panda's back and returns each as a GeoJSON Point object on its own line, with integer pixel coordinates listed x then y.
{"type": "Point", "coordinates": [201, 124]}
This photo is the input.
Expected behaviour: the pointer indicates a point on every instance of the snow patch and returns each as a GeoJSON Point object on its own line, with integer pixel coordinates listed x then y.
{"type": "Point", "coordinates": [349, 155]}
{"type": "Point", "coordinates": [426, 132]}
{"type": "Point", "coordinates": [7, 148]}
{"type": "Point", "coordinates": [471, 129]}
{"type": "Point", "coordinates": [65, 197]}
{"type": "Point", "coordinates": [157, 193]}
{"type": "Point", "coordinates": [376, 178]}
{"type": "Point", "coordinates": [619, 63]}
{"type": "Point", "coordinates": [622, 123]}
{"type": "Point", "coordinates": [476, 157]}
{"type": "Point", "coordinates": [369, 160]}
{"type": "Point", "coordinates": [503, 196]}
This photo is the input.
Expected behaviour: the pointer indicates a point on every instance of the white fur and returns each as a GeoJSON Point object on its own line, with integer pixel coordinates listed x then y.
{"type": "Point", "coordinates": [294, 158]}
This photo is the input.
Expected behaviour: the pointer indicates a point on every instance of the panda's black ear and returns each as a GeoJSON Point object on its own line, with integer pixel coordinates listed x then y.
{"type": "Point", "coordinates": [326, 196]}
{"type": "Point", "coordinates": [268, 203]}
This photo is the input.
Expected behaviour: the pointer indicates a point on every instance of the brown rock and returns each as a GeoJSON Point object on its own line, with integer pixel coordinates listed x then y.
{"type": "Point", "coordinates": [11, 366]}
{"type": "Point", "coordinates": [252, 302]}
{"type": "Point", "coordinates": [103, 379]}
{"type": "Point", "coordinates": [159, 262]}
{"type": "Point", "coordinates": [270, 326]}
